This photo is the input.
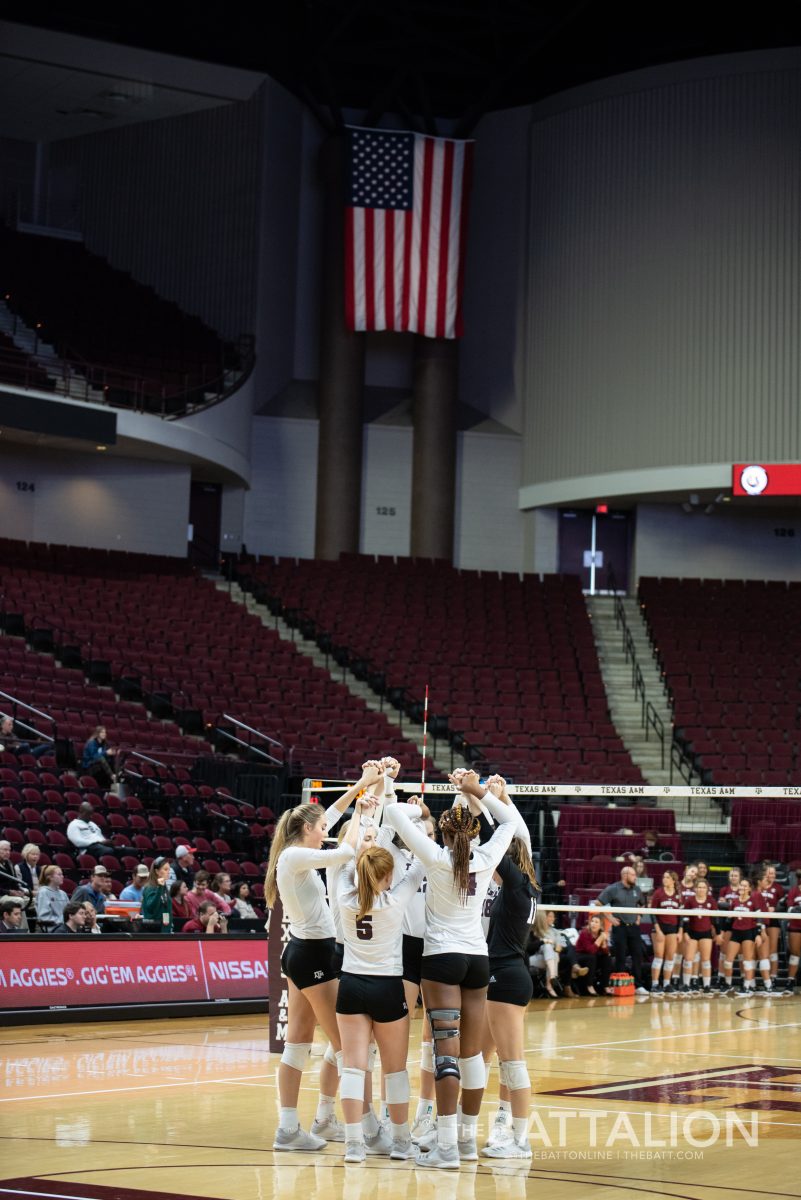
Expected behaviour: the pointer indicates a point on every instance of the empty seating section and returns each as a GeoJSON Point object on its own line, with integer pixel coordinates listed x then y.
{"type": "Point", "coordinates": [18, 369]}
{"type": "Point", "coordinates": [92, 312]}
{"type": "Point", "coordinates": [511, 662]}
{"type": "Point", "coordinates": [187, 642]}
{"type": "Point", "coordinates": [770, 828]}
{"type": "Point", "coordinates": [731, 655]}
{"type": "Point", "coordinates": [591, 839]}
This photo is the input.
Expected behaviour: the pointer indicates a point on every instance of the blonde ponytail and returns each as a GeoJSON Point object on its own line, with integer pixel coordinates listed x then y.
{"type": "Point", "coordinates": [373, 866]}
{"type": "Point", "coordinates": [288, 832]}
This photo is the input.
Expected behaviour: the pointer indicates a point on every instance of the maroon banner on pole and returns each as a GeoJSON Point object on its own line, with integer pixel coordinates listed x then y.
{"type": "Point", "coordinates": [279, 996]}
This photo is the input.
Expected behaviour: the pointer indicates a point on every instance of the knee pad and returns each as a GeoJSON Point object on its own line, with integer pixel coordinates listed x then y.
{"type": "Point", "coordinates": [687, 964]}
{"type": "Point", "coordinates": [330, 1056]}
{"type": "Point", "coordinates": [764, 964]}
{"type": "Point", "coordinates": [749, 964]}
{"type": "Point", "coordinates": [352, 1085]}
{"type": "Point", "coordinates": [794, 960]}
{"type": "Point", "coordinates": [696, 959]}
{"type": "Point", "coordinates": [774, 958]}
{"type": "Point", "coordinates": [338, 1058]}
{"type": "Point", "coordinates": [397, 1087]}
{"type": "Point", "coordinates": [656, 964]}
{"type": "Point", "coordinates": [295, 1054]}
{"type": "Point", "coordinates": [472, 1072]}
{"type": "Point", "coordinates": [427, 1057]}
{"type": "Point", "coordinates": [515, 1075]}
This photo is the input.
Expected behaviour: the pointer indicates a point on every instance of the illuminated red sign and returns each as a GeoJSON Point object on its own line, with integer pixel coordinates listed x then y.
{"type": "Point", "coordinates": [99, 971]}
{"type": "Point", "coordinates": [766, 479]}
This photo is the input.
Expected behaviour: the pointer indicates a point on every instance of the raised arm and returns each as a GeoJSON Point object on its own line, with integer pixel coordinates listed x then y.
{"type": "Point", "coordinates": [412, 833]}
{"type": "Point", "coordinates": [371, 773]}
{"type": "Point", "coordinates": [403, 891]}
{"type": "Point", "coordinates": [303, 858]}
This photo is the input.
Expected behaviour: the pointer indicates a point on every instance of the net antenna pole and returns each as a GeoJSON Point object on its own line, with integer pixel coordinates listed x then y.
{"type": "Point", "coordinates": [425, 744]}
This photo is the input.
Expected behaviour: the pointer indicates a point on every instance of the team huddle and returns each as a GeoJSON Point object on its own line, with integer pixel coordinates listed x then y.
{"type": "Point", "coordinates": [403, 912]}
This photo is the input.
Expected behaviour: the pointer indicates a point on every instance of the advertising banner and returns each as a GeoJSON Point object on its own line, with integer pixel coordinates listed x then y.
{"type": "Point", "coordinates": [42, 973]}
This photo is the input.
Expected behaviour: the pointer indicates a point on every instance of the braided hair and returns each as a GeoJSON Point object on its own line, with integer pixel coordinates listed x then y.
{"type": "Point", "coordinates": [459, 827]}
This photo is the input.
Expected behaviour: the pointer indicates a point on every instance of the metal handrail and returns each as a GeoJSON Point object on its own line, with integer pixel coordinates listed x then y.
{"type": "Point", "coordinates": [17, 703]}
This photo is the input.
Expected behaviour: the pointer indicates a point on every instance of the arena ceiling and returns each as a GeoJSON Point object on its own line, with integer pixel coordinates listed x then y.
{"type": "Point", "coordinates": [430, 59]}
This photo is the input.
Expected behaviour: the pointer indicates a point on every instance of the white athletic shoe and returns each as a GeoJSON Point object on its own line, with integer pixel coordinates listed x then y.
{"type": "Point", "coordinates": [641, 991]}
{"type": "Point", "coordinates": [502, 1132]}
{"type": "Point", "coordinates": [428, 1140]}
{"type": "Point", "coordinates": [402, 1149]}
{"type": "Point", "coordinates": [298, 1139]}
{"type": "Point", "coordinates": [440, 1156]}
{"type": "Point", "coordinates": [355, 1152]}
{"type": "Point", "coordinates": [468, 1151]}
{"type": "Point", "coordinates": [380, 1143]}
{"type": "Point", "coordinates": [423, 1126]}
{"type": "Point", "coordinates": [330, 1129]}
{"type": "Point", "coordinates": [510, 1149]}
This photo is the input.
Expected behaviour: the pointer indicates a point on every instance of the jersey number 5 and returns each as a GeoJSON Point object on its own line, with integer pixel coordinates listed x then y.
{"type": "Point", "coordinates": [364, 929]}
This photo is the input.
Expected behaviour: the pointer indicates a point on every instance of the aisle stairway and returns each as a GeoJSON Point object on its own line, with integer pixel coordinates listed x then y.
{"type": "Point", "coordinates": [626, 709]}
{"type": "Point", "coordinates": [443, 758]}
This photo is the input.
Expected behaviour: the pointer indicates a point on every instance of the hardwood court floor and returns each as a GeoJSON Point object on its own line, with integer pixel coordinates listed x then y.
{"type": "Point", "coordinates": [180, 1108]}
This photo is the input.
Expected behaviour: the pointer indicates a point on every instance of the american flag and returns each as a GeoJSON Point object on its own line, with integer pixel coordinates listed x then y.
{"type": "Point", "coordinates": [405, 227]}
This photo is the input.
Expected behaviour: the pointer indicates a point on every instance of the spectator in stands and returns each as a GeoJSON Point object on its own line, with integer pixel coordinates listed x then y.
{"type": "Point", "coordinates": [221, 886]}
{"type": "Point", "coordinates": [180, 909]}
{"type": "Point", "coordinates": [52, 899]}
{"type": "Point", "coordinates": [652, 847]}
{"type": "Point", "coordinates": [592, 951]}
{"type": "Point", "coordinates": [26, 870]}
{"type": "Point", "coordinates": [133, 890]}
{"type": "Point", "coordinates": [9, 881]}
{"type": "Point", "coordinates": [156, 902]}
{"type": "Point", "coordinates": [644, 881]}
{"type": "Point", "coordinates": [242, 903]}
{"type": "Point", "coordinates": [208, 920]}
{"type": "Point", "coordinates": [74, 919]}
{"type": "Point", "coordinates": [98, 758]}
{"type": "Point", "coordinates": [87, 836]}
{"type": "Point", "coordinates": [95, 890]}
{"type": "Point", "coordinates": [626, 936]}
{"type": "Point", "coordinates": [184, 866]}
{"type": "Point", "coordinates": [91, 924]}
{"type": "Point", "coordinates": [11, 915]}
{"type": "Point", "coordinates": [201, 891]}
{"type": "Point", "coordinates": [15, 745]}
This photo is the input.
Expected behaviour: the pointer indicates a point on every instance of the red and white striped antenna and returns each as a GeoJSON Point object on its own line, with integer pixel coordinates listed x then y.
{"type": "Point", "coordinates": [425, 744]}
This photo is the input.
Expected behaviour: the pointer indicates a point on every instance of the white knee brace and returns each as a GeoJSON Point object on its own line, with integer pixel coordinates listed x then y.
{"type": "Point", "coordinates": [764, 964]}
{"type": "Point", "coordinates": [397, 1087]}
{"type": "Point", "coordinates": [427, 1057]}
{"type": "Point", "coordinates": [656, 964]}
{"type": "Point", "coordinates": [295, 1054]}
{"type": "Point", "coordinates": [472, 1072]}
{"type": "Point", "coordinates": [352, 1085]}
{"type": "Point", "coordinates": [748, 964]}
{"type": "Point", "coordinates": [794, 960]}
{"type": "Point", "coordinates": [514, 1075]}
{"type": "Point", "coordinates": [774, 958]}
{"type": "Point", "coordinates": [329, 1055]}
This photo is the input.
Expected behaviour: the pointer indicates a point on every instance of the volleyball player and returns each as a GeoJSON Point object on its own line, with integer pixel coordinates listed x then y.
{"type": "Point", "coordinates": [772, 893]}
{"type": "Point", "coordinates": [729, 894]}
{"type": "Point", "coordinates": [371, 1000]}
{"type": "Point", "coordinates": [793, 904]}
{"type": "Point", "coordinates": [455, 967]}
{"type": "Point", "coordinates": [689, 964]}
{"type": "Point", "coordinates": [742, 941]}
{"type": "Point", "coordinates": [510, 989]}
{"type": "Point", "coordinates": [700, 930]}
{"type": "Point", "coordinates": [664, 934]}
{"type": "Point", "coordinates": [309, 961]}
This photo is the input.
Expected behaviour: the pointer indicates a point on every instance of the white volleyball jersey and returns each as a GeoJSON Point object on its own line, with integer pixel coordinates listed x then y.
{"type": "Point", "coordinates": [453, 926]}
{"type": "Point", "coordinates": [414, 917]}
{"type": "Point", "coordinates": [374, 945]}
{"type": "Point", "coordinates": [302, 891]}
{"type": "Point", "coordinates": [492, 892]}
